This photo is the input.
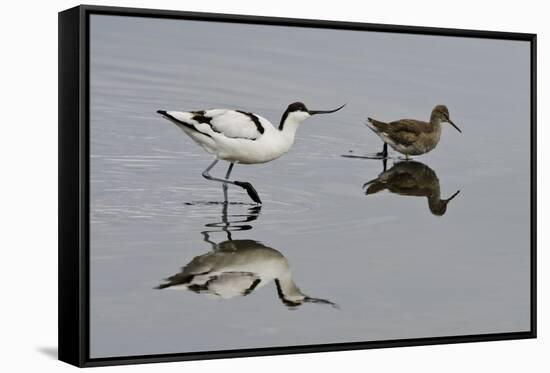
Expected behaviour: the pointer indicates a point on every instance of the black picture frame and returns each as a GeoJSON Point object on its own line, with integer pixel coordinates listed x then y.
{"type": "Point", "coordinates": [74, 184]}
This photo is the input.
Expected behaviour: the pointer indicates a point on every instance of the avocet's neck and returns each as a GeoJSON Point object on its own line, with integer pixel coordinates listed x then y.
{"type": "Point", "coordinates": [290, 123]}
{"type": "Point", "coordinates": [289, 127]}
{"type": "Point", "coordinates": [287, 289]}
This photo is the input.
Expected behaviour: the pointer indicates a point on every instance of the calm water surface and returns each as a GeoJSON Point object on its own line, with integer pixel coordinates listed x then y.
{"type": "Point", "coordinates": [321, 261]}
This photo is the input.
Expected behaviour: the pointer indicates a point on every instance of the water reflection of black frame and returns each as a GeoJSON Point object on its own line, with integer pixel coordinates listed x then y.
{"type": "Point", "coordinates": [238, 267]}
{"type": "Point", "coordinates": [411, 178]}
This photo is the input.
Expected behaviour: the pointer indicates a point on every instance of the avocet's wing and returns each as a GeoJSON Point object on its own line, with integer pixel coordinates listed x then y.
{"type": "Point", "coordinates": [234, 124]}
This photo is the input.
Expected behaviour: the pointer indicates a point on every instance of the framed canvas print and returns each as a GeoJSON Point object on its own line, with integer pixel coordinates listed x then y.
{"type": "Point", "coordinates": [237, 186]}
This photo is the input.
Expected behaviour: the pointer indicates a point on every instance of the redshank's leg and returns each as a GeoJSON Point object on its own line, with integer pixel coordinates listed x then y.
{"type": "Point", "coordinates": [384, 152]}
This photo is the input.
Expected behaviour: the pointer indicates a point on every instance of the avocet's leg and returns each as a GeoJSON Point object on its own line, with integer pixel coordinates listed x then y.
{"type": "Point", "coordinates": [224, 185]}
{"type": "Point", "coordinates": [243, 184]}
{"type": "Point", "coordinates": [206, 172]}
{"type": "Point", "coordinates": [384, 152]}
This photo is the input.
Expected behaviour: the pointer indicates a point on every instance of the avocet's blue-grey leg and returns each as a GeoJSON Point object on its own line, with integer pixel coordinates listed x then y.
{"type": "Point", "coordinates": [224, 185]}
{"type": "Point", "coordinates": [243, 184]}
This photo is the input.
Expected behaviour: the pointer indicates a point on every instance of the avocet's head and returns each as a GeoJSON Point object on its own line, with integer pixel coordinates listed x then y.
{"type": "Point", "coordinates": [294, 298]}
{"type": "Point", "coordinates": [440, 112]}
{"type": "Point", "coordinates": [293, 304]}
{"type": "Point", "coordinates": [297, 112]}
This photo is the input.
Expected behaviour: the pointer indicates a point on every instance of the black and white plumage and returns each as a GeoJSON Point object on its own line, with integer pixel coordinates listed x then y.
{"type": "Point", "coordinates": [237, 268]}
{"type": "Point", "coordinates": [241, 137]}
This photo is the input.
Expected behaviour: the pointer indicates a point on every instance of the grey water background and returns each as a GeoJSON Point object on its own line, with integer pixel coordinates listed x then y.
{"type": "Point", "coordinates": [394, 269]}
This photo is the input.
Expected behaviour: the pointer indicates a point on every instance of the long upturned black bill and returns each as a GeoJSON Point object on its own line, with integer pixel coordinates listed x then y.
{"type": "Point", "coordinates": [454, 125]}
{"type": "Point", "coordinates": [319, 300]}
{"type": "Point", "coordinates": [313, 112]}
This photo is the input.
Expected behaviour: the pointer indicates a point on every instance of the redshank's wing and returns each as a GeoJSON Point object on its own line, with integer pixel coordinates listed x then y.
{"type": "Point", "coordinates": [406, 184]}
{"type": "Point", "coordinates": [413, 179]}
{"type": "Point", "coordinates": [404, 131]}
{"type": "Point", "coordinates": [377, 125]}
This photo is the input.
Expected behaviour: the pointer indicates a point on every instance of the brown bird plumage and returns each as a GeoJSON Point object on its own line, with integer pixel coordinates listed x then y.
{"type": "Point", "coordinates": [411, 179]}
{"type": "Point", "coordinates": [411, 136]}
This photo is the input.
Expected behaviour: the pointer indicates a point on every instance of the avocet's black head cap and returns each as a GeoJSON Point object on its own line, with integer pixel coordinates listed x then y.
{"type": "Point", "coordinates": [300, 107]}
{"type": "Point", "coordinates": [297, 106]}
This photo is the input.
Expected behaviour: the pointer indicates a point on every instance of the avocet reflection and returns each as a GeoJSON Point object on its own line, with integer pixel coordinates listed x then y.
{"type": "Point", "coordinates": [234, 268]}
